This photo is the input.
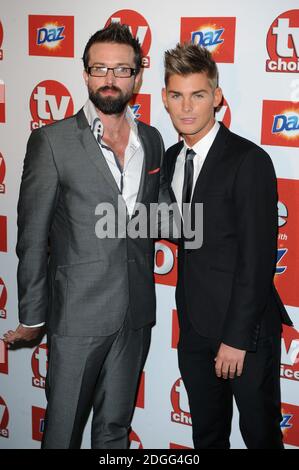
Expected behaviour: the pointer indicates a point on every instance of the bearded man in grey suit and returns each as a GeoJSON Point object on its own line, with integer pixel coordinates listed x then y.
{"type": "Point", "coordinates": [95, 295]}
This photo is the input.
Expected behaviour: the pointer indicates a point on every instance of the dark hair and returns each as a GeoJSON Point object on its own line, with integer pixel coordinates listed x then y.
{"type": "Point", "coordinates": [116, 33]}
{"type": "Point", "coordinates": [190, 58]}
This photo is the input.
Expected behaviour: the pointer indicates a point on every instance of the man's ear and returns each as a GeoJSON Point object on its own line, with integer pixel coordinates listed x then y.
{"type": "Point", "coordinates": [164, 98]}
{"type": "Point", "coordinates": [217, 97]}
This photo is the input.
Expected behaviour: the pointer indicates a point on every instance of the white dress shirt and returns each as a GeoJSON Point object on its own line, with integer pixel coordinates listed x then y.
{"type": "Point", "coordinates": [201, 149]}
{"type": "Point", "coordinates": [133, 161]}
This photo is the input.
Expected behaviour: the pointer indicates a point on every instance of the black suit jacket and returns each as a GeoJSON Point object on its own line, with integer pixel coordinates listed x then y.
{"type": "Point", "coordinates": [226, 287]}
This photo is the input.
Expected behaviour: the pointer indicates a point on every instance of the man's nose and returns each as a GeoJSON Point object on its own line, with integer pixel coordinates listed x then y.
{"type": "Point", "coordinates": [109, 79]}
{"type": "Point", "coordinates": [187, 105]}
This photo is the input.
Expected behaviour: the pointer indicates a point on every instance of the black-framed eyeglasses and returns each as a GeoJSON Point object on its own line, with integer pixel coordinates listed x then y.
{"type": "Point", "coordinates": [119, 72]}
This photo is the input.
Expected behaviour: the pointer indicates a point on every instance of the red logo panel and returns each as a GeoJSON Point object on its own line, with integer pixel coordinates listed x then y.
{"type": "Point", "coordinates": [2, 101]}
{"type": "Point", "coordinates": [51, 35]}
{"type": "Point", "coordinates": [280, 123]}
{"type": "Point", "coordinates": [290, 424]}
{"type": "Point", "coordinates": [38, 422]}
{"type": "Point", "coordinates": [216, 34]}
{"type": "Point", "coordinates": [140, 104]}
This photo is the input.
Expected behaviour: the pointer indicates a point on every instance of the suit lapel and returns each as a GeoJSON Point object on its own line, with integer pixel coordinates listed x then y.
{"type": "Point", "coordinates": [93, 150]}
{"type": "Point", "coordinates": [214, 155]}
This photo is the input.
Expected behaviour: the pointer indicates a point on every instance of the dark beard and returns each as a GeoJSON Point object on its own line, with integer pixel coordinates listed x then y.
{"type": "Point", "coordinates": [109, 104]}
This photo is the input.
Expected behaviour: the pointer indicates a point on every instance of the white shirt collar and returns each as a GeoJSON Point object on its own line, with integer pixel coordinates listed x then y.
{"type": "Point", "coordinates": [92, 118]}
{"type": "Point", "coordinates": [203, 146]}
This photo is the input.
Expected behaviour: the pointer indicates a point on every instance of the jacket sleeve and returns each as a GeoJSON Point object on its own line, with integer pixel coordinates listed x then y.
{"type": "Point", "coordinates": [37, 200]}
{"type": "Point", "coordinates": [255, 199]}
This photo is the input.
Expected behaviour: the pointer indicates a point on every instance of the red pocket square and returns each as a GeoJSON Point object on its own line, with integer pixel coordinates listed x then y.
{"type": "Point", "coordinates": [152, 172]}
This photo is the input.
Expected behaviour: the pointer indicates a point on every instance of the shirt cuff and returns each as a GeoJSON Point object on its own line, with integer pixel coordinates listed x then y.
{"type": "Point", "coordinates": [32, 326]}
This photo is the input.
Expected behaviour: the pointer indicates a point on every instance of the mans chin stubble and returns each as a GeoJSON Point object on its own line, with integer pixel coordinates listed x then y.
{"type": "Point", "coordinates": [110, 104]}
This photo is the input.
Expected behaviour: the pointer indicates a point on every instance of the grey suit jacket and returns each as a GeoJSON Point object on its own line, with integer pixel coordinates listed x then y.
{"type": "Point", "coordinates": [86, 285]}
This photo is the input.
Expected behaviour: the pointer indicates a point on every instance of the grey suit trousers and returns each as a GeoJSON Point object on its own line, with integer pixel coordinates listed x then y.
{"type": "Point", "coordinates": [100, 372]}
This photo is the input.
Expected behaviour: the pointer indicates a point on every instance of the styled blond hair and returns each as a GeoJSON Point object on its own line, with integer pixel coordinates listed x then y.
{"type": "Point", "coordinates": [190, 58]}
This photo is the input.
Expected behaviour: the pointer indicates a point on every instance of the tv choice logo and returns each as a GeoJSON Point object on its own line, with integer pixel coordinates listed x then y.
{"type": "Point", "coordinates": [289, 368]}
{"type": "Point", "coordinates": [4, 419]}
{"type": "Point", "coordinates": [287, 246]}
{"type": "Point", "coordinates": [2, 101]}
{"type": "Point", "coordinates": [180, 405]}
{"type": "Point", "coordinates": [51, 35]}
{"type": "Point", "coordinates": [3, 299]}
{"type": "Point", "coordinates": [50, 101]}
{"type": "Point", "coordinates": [139, 28]}
{"type": "Point", "coordinates": [140, 104]}
{"type": "Point", "coordinates": [216, 34]}
{"type": "Point", "coordinates": [3, 358]}
{"type": "Point", "coordinates": [224, 113]}
{"type": "Point", "coordinates": [135, 441]}
{"type": "Point", "coordinates": [1, 41]}
{"type": "Point", "coordinates": [280, 123]}
{"type": "Point", "coordinates": [2, 174]}
{"type": "Point", "coordinates": [3, 234]}
{"type": "Point", "coordinates": [38, 422]}
{"type": "Point", "coordinates": [39, 364]}
{"type": "Point", "coordinates": [290, 424]}
{"type": "Point", "coordinates": [283, 43]}
{"type": "Point", "coordinates": [165, 263]}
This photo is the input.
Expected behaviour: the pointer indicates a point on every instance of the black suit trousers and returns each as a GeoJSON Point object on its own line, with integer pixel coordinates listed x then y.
{"type": "Point", "coordinates": [256, 391]}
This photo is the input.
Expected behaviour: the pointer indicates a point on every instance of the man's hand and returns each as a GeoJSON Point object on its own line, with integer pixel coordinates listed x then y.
{"type": "Point", "coordinates": [229, 361]}
{"type": "Point", "coordinates": [22, 333]}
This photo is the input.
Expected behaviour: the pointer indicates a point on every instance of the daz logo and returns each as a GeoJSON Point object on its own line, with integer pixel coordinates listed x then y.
{"type": "Point", "coordinates": [141, 106]}
{"type": "Point", "coordinates": [180, 405]}
{"type": "Point", "coordinates": [39, 364]}
{"type": "Point", "coordinates": [139, 28]}
{"type": "Point", "coordinates": [2, 174]}
{"type": "Point", "coordinates": [290, 424]}
{"type": "Point", "coordinates": [216, 34]}
{"type": "Point", "coordinates": [283, 43]}
{"type": "Point", "coordinates": [38, 423]}
{"type": "Point", "coordinates": [1, 40]}
{"type": "Point", "coordinates": [280, 123]}
{"type": "Point", "coordinates": [4, 418]}
{"type": "Point", "coordinates": [50, 101]}
{"type": "Point", "coordinates": [51, 35]}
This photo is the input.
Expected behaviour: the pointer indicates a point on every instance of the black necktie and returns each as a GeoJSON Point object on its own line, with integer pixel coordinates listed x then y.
{"type": "Point", "coordinates": [188, 177]}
